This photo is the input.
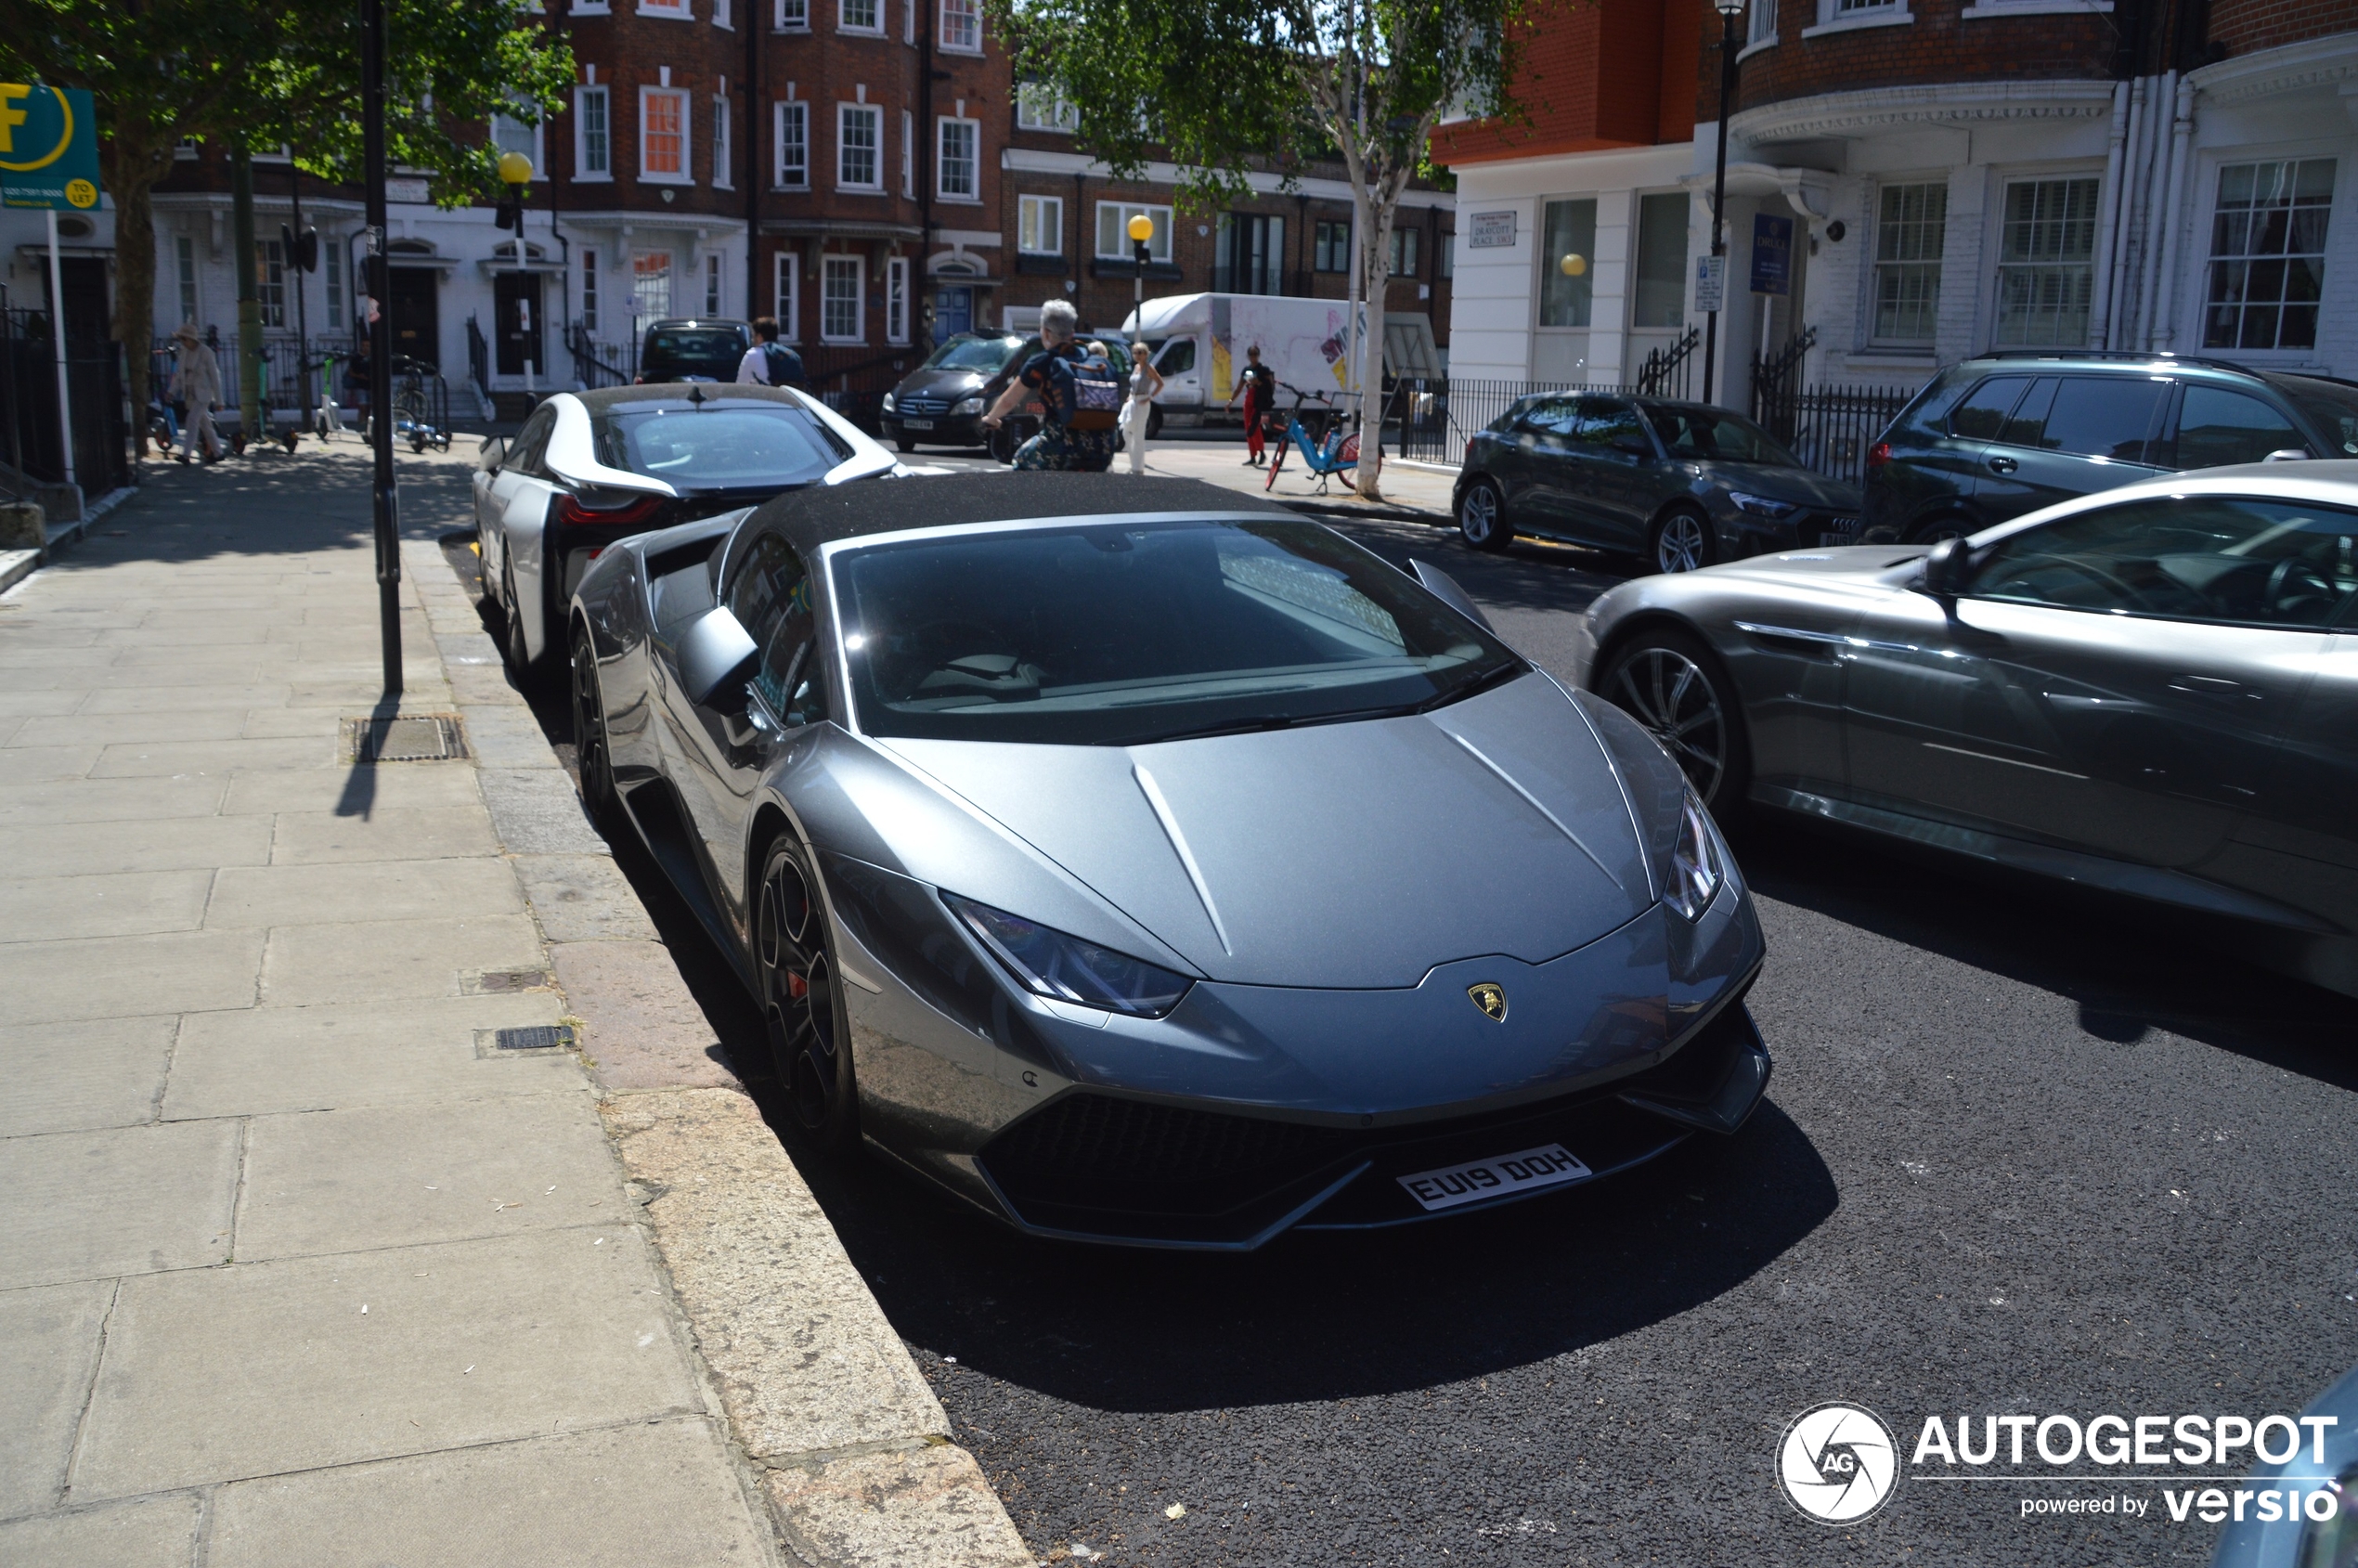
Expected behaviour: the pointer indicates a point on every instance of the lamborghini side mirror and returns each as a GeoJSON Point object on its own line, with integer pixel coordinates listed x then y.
{"type": "Point", "coordinates": [715, 648]}
{"type": "Point", "coordinates": [1949, 569]}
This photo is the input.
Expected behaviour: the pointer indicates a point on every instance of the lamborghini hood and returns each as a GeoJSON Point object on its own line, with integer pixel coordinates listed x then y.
{"type": "Point", "coordinates": [1352, 855]}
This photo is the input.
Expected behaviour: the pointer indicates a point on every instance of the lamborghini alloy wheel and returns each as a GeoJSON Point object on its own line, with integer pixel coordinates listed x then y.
{"type": "Point", "coordinates": [799, 1005]}
{"type": "Point", "coordinates": [591, 755]}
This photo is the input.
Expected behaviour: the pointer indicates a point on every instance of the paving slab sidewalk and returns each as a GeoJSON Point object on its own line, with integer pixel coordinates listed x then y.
{"type": "Point", "coordinates": [299, 1266]}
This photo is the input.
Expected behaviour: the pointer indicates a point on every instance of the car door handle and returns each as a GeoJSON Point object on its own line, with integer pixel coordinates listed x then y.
{"type": "Point", "coordinates": [2003, 465]}
{"type": "Point", "coordinates": [2211, 686]}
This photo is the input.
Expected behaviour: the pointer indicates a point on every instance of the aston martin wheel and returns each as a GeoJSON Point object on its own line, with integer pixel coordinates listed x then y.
{"type": "Point", "coordinates": [800, 1007]}
{"type": "Point", "coordinates": [589, 748]}
{"type": "Point", "coordinates": [1670, 684]}
{"type": "Point", "coordinates": [1681, 542]}
{"type": "Point", "coordinates": [1482, 517]}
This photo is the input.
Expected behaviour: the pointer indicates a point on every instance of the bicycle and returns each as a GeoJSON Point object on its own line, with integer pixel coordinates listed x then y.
{"type": "Point", "coordinates": [413, 409]}
{"type": "Point", "coordinates": [1324, 448]}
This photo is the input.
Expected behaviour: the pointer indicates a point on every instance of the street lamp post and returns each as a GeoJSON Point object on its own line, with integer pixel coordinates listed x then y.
{"type": "Point", "coordinates": [388, 506]}
{"type": "Point", "coordinates": [515, 173]}
{"type": "Point", "coordinates": [1142, 229]}
{"type": "Point", "coordinates": [1728, 11]}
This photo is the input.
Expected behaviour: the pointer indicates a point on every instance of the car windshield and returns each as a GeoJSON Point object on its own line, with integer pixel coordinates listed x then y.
{"type": "Point", "coordinates": [717, 445]}
{"type": "Point", "coordinates": [2333, 408]}
{"type": "Point", "coordinates": [1717, 437]}
{"type": "Point", "coordinates": [984, 355]}
{"type": "Point", "coordinates": [702, 347]}
{"type": "Point", "coordinates": [1125, 634]}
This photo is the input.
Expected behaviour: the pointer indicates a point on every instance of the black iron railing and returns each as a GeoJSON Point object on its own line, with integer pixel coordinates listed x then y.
{"type": "Point", "coordinates": [1439, 415]}
{"type": "Point", "coordinates": [1831, 428]}
{"type": "Point", "coordinates": [29, 424]}
{"type": "Point", "coordinates": [1668, 373]}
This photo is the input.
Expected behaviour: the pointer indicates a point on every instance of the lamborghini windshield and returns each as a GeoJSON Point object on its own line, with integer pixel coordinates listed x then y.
{"type": "Point", "coordinates": [1123, 634]}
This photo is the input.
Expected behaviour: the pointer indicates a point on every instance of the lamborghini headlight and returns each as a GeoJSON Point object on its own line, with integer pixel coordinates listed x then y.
{"type": "Point", "coordinates": [1064, 969]}
{"type": "Point", "coordinates": [1695, 872]}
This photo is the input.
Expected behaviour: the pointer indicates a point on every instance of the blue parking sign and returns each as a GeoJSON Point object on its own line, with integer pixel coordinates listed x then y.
{"type": "Point", "coordinates": [1771, 255]}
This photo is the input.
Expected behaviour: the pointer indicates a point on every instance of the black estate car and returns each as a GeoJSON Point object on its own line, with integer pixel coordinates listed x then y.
{"type": "Point", "coordinates": [942, 402]}
{"type": "Point", "coordinates": [1994, 437]}
{"type": "Point", "coordinates": [1682, 483]}
{"type": "Point", "coordinates": [694, 349]}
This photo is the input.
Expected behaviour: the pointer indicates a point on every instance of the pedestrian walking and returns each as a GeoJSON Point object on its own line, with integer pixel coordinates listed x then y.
{"type": "Point", "coordinates": [1078, 389]}
{"type": "Point", "coordinates": [1145, 384]}
{"type": "Point", "coordinates": [197, 383]}
{"type": "Point", "coordinates": [768, 362]}
{"type": "Point", "coordinates": [1258, 387]}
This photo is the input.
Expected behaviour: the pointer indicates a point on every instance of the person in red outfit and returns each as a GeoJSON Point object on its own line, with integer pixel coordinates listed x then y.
{"type": "Point", "coordinates": [1258, 387]}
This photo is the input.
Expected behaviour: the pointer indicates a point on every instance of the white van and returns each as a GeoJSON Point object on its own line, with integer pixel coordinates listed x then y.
{"type": "Point", "coordinates": [1199, 343]}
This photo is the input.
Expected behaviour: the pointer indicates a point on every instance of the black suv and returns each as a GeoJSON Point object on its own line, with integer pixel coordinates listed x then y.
{"type": "Point", "coordinates": [694, 349]}
{"type": "Point", "coordinates": [2001, 436]}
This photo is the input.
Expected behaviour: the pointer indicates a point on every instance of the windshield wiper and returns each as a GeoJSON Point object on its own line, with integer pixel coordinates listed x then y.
{"type": "Point", "coordinates": [1496, 675]}
{"type": "Point", "coordinates": [1259, 721]}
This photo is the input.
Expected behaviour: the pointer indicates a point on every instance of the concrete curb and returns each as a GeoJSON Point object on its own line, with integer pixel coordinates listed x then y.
{"type": "Point", "coordinates": [824, 1405]}
{"type": "Point", "coordinates": [17, 565]}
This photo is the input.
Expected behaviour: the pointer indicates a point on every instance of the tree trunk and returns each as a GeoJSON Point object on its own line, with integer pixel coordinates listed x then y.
{"type": "Point", "coordinates": [131, 174]}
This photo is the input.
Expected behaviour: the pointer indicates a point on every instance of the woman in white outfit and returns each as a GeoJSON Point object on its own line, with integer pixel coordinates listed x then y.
{"type": "Point", "coordinates": [1145, 381]}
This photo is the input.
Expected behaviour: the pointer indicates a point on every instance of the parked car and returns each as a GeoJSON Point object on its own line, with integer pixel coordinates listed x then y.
{"type": "Point", "coordinates": [2281, 1528]}
{"type": "Point", "coordinates": [1681, 485]}
{"type": "Point", "coordinates": [2152, 690]}
{"type": "Point", "coordinates": [589, 468]}
{"type": "Point", "coordinates": [1146, 863]}
{"type": "Point", "coordinates": [942, 402]}
{"type": "Point", "coordinates": [2006, 434]}
{"type": "Point", "coordinates": [694, 349]}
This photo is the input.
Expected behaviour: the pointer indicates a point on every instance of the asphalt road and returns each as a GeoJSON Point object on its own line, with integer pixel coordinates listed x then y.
{"type": "Point", "coordinates": [2027, 1151]}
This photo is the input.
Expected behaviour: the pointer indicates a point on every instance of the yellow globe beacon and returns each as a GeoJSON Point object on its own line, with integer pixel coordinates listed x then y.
{"type": "Point", "coordinates": [1573, 264]}
{"type": "Point", "coordinates": [1141, 228]}
{"type": "Point", "coordinates": [515, 169]}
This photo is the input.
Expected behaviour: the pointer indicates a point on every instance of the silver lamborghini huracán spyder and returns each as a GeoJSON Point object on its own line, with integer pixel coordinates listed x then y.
{"type": "Point", "coordinates": [1144, 865]}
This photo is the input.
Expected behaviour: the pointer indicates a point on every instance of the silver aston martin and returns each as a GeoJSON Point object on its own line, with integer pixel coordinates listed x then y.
{"type": "Point", "coordinates": [1146, 864]}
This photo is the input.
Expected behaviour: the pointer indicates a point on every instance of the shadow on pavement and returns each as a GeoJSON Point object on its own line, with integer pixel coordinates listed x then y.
{"type": "Point", "coordinates": [2132, 968]}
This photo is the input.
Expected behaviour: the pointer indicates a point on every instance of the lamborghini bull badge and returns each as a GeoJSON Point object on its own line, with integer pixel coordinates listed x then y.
{"type": "Point", "coordinates": [1491, 998]}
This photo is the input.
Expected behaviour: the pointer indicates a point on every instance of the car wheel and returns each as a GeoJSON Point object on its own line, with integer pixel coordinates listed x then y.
{"type": "Point", "coordinates": [1681, 542]}
{"type": "Point", "coordinates": [905, 443]}
{"type": "Point", "coordinates": [592, 754]}
{"type": "Point", "coordinates": [1482, 517]}
{"type": "Point", "coordinates": [1670, 684]}
{"type": "Point", "coordinates": [520, 664]}
{"type": "Point", "coordinates": [1939, 528]}
{"type": "Point", "coordinates": [1154, 421]}
{"type": "Point", "coordinates": [800, 1005]}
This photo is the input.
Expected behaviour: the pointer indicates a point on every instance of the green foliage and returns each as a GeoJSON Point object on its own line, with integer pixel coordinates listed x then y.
{"type": "Point", "coordinates": [287, 73]}
{"type": "Point", "coordinates": [1222, 86]}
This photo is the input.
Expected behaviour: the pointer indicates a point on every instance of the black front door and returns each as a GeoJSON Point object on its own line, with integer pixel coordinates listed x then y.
{"type": "Point", "coordinates": [515, 307]}
{"type": "Point", "coordinates": [413, 300]}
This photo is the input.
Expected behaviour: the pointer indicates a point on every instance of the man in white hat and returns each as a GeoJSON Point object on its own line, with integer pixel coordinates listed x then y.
{"type": "Point", "coordinates": [197, 383]}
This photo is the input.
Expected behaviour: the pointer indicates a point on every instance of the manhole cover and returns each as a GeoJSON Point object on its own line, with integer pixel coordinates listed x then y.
{"type": "Point", "coordinates": [426, 737]}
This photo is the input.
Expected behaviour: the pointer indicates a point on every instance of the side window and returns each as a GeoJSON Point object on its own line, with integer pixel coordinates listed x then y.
{"type": "Point", "coordinates": [789, 676]}
{"type": "Point", "coordinates": [1981, 414]}
{"type": "Point", "coordinates": [769, 574]}
{"type": "Point", "coordinates": [1605, 420]}
{"type": "Point", "coordinates": [2217, 427]}
{"type": "Point", "coordinates": [1552, 416]}
{"type": "Point", "coordinates": [2105, 417]}
{"type": "Point", "coordinates": [531, 442]}
{"type": "Point", "coordinates": [1178, 357]}
{"type": "Point", "coordinates": [2203, 557]}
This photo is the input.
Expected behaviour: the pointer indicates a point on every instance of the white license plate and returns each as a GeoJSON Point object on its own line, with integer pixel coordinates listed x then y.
{"type": "Point", "coordinates": [1549, 1165]}
{"type": "Point", "coordinates": [917, 425]}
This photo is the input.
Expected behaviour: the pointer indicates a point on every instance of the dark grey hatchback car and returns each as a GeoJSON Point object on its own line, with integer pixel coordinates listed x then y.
{"type": "Point", "coordinates": [1681, 485]}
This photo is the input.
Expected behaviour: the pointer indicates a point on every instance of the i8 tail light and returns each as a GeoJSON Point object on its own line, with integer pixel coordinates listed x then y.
{"type": "Point", "coordinates": [570, 510]}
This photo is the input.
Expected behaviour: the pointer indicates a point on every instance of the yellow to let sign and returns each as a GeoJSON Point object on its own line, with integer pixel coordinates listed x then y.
{"type": "Point", "coordinates": [49, 147]}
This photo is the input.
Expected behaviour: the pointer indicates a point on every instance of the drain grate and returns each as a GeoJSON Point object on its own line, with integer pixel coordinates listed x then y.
{"type": "Point", "coordinates": [425, 737]}
{"type": "Point", "coordinates": [541, 1037]}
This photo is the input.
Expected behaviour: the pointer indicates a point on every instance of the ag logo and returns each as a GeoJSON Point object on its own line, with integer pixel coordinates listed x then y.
{"type": "Point", "coordinates": [1837, 1463]}
{"type": "Point", "coordinates": [1491, 997]}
